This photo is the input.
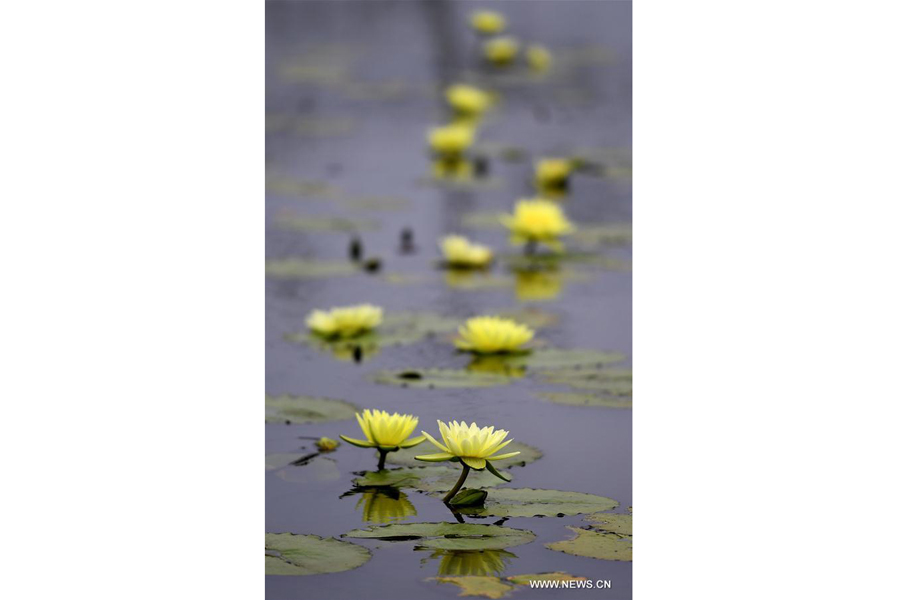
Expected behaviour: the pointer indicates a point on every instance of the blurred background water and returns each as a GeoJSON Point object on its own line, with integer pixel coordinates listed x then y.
{"type": "Point", "coordinates": [351, 89]}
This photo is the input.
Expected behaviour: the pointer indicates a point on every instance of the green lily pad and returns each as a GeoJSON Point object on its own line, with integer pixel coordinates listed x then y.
{"type": "Point", "coordinates": [303, 188]}
{"type": "Point", "coordinates": [407, 456]}
{"type": "Point", "coordinates": [610, 522]}
{"type": "Point", "coordinates": [526, 502]}
{"type": "Point", "coordinates": [435, 478]}
{"type": "Point", "coordinates": [377, 203]}
{"type": "Point", "coordinates": [309, 268]}
{"type": "Point", "coordinates": [522, 263]}
{"type": "Point", "coordinates": [615, 382]}
{"type": "Point", "coordinates": [334, 224]}
{"type": "Point", "coordinates": [603, 234]}
{"type": "Point", "coordinates": [557, 358]}
{"type": "Point", "coordinates": [586, 399]}
{"type": "Point", "coordinates": [482, 220]}
{"type": "Point", "coordinates": [533, 317]}
{"type": "Point", "coordinates": [290, 554]}
{"type": "Point", "coordinates": [488, 586]}
{"type": "Point", "coordinates": [595, 544]}
{"type": "Point", "coordinates": [440, 378]}
{"type": "Point", "coordinates": [306, 409]}
{"type": "Point", "coordinates": [448, 536]}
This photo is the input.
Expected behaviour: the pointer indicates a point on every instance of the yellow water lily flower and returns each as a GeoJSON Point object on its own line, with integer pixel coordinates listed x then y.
{"type": "Point", "coordinates": [326, 444]}
{"type": "Point", "coordinates": [487, 21]}
{"type": "Point", "coordinates": [345, 322]}
{"type": "Point", "coordinates": [451, 141]}
{"type": "Point", "coordinates": [386, 432]}
{"type": "Point", "coordinates": [475, 447]}
{"type": "Point", "coordinates": [380, 506]}
{"type": "Point", "coordinates": [537, 220]}
{"type": "Point", "coordinates": [459, 252]}
{"type": "Point", "coordinates": [492, 335]}
{"type": "Point", "coordinates": [552, 173]}
{"type": "Point", "coordinates": [467, 99]}
{"type": "Point", "coordinates": [501, 50]}
{"type": "Point", "coordinates": [539, 58]}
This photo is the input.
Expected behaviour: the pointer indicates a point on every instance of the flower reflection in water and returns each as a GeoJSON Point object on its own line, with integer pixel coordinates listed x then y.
{"type": "Point", "coordinates": [385, 506]}
{"type": "Point", "coordinates": [538, 285]}
{"type": "Point", "coordinates": [452, 169]}
{"type": "Point", "coordinates": [471, 562]}
{"type": "Point", "coordinates": [494, 364]}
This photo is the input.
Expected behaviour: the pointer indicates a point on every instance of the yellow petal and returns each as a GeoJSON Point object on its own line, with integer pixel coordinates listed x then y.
{"type": "Point", "coordinates": [475, 463]}
{"type": "Point", "coordinates": [502, 456]}
{"type": "Point", "coordinates": [435, 442]}
{"type": "Point", "coordinates": [437, 457]}
{"type": "Point", "coordinates": [413, 442]}
{"type": "Point", "coordinates": [359, 443]}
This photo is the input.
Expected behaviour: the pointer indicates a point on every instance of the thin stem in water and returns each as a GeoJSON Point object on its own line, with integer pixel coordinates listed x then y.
{"type": "Point", "coordinates": [459, 483]}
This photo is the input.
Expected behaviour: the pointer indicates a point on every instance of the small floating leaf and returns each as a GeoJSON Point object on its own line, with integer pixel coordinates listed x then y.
{"type": "Point", "coordinates": [526, 502]}
{"type": "Point", "coordinates": [313, 224]}
{"type": "Point", "coordinates": [610, 522]}
{"type": "Point", "coordinates": [306, 409]}
{"type": "Point", "coordinates": [615, 382]}
{"type": "Point", "coordinates": [528, 454]}
{"type": "Point", "coordinates": [595, 544]}
{"type": "Point", "coordinates": [586, 399]}
{"type": "Point", "coordinates": [500, 587]}
{"type": "Point", "coordinates": [440, 378]}
{"type": "Point", "coordinates": [307, 268]}
{"type": "Point", "coordinates": [290, 554]}
{"type": "Point", "coordinates": [603, 234]}
{"type": "Point", "coordinates": [556, 358]}
{"type": "Point", "coordinates": [448, 536]}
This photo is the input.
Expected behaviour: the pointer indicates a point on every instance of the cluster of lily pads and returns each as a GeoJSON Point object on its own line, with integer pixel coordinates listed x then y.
{"type": "Point", "coordinates": [502, 347]}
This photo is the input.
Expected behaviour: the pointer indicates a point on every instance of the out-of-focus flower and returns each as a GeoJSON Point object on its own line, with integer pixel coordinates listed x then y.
{"type": "Point", "coordinates": [451, 141]}
{"type": "Point", "coordinates": [474, 446]}
{"type": "Point", "coordinates": [501, 50]}
{"type": "Point", "coordinates": [379, 506]}
{"type": "Point", "coordinates": [472, 562]}
{"type": "Point", "coordinates": [538, 285]}
{"type": "Point", "coordinates": [385, 431]}
{"type": "Point", "coordinates": [492, 335]}
{"type": "Point", "coordinates": [459, 252]}
{"type": "Point", "coordinates": [537, 220]}
{"type": "Point", "coordinates": [326, 444]}
{"type": "Point", "coordinates": [346, 321]}
{"type": "Point", "coordinates": [458, 169]}
{"type": "Point", "coordinates": [552, 173]}
{"type": "Point", "coordinates": [487, 21]}
{"type": "Point", "coordinates": [467, 99]}
{"type": "Point", "coordinates": [539, 58]}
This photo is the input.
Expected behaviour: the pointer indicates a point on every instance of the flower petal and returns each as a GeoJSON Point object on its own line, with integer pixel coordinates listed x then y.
{"type": "Point", "coordinates": [413, 442]}
{"type": "Point", "coordinates": [502, 456]}
{"type": "Point", "coordinates": [476, 463]}
{"type": "Point", "coordinates": [360, 443]}
{"type": "Point", "coordinates": [438, 457]}
{"type": "Point", "coordinates": [435, 442]}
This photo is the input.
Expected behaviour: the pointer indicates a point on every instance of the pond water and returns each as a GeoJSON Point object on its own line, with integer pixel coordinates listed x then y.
{"type": "Point", "coordinates": [351, 89]}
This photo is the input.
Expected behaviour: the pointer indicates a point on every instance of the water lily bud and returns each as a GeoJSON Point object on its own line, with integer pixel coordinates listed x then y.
{"type": "Point", "coordinates": [469, 497]}
{"type": "Point", "coordinates": [327, 444]}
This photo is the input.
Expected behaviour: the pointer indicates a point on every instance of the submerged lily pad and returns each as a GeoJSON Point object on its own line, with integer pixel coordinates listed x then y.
{"type": "Point", "coordinates": [290, 554]}
{"type": "Point", "coordinates": [586, 399]}
{"type": "Point", "coordinates": [336, 224]}
{"type": "Point", "coordinates": [307, 409]}
{"type": "Point", "coordinates": [307, 268]}
{"type": "Point", "coordinates": [448, 536]}
{"type": "Point", "coordinates": [500, 587]}
{"type": "Point", "coordinates": [436, 478]}
{"type": "Point", "coordinates": [529, 454]}
{"type": "Point", "coordinates": [595, 544]}
{"type": "Point", "coordinates": [440, 378]}
{"type": "Point", "coordinates": [526, 502]}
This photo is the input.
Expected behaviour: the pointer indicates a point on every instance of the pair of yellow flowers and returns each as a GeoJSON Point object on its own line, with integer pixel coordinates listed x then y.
{"type": "Point", "coordinates": [485, 335]}
{"type": "Point", "coordinates": [469, 444]}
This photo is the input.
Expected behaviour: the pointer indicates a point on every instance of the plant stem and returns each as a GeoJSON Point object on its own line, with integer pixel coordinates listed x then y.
{"type": "Point", "coordinates": [530, 247]}
{"type": "Point", "coordinates": [462, 479]}
{"type": "Point", "coordinates": [382, 455]}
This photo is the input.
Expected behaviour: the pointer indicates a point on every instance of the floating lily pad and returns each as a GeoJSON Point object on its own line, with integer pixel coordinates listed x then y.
{"type": "Point", "coordinates": [522, 263]}
{"type": "Point", "coordinates": [307, 268]}
{"type": "Point", "coordinates": [595, 544]}
{"type": "Point", "coordinates": [326, 224]}
{"type": "Point", "coordinates": [557, 358]}
{"type": "Point", "coordinates": [448, 536]}
{"type": "Point", "coordinates": [482, 220]}
{"type": "Point", "coordinates": [615, 382]}
{"type": "Point", "coordinates": [306, 409]}
{"type": "Point", "coordinates": [397, 329]}
{"type": "Point", "coordinates": [406, 456]}
{"type": "Point", "coordinates": [603, 234]}
{"type": "Point", "coordinates": [290, 554]}
{"type": "Point", "coordinates": [301, 188]}
{"type": "Point", "coordinates": [586, 399]}
{"type": "Point", "coordinates": [377, 203]}
{"type": "Point", "coordinates": [475, 280]}
{"type": "Point", "coordinates": [440, 378]}
{"type": "Point", "coordinates": [610, 522]}
{"type": "Point", "coordinates": [500, 587]}
{"type": "Point", "coordinates": [436, 478]}
{"type": "Point", "coordinates": [533, 317]}
{"type": "Point", "coordinates": [526, 502]}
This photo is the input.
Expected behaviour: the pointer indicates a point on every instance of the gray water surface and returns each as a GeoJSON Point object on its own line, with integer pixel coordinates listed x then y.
{"type": "Point", "coordinates": [356, 121]}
